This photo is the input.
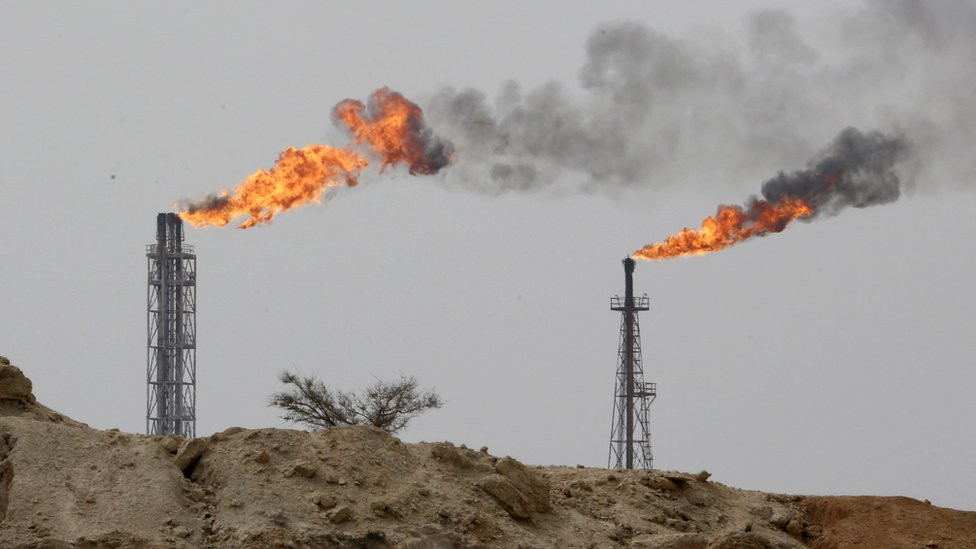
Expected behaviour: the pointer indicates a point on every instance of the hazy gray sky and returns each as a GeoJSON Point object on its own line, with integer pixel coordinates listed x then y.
{"type": "Point", "coordinates": [836, 357]}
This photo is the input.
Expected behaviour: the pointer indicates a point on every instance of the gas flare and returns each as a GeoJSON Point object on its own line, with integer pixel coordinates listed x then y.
{"type": "Point", "coordinates": [730, 225]}
{"type": "Point", "coordinates": [856, 170]}
{"type": "Point", "coordinates": [390, 126]}
{"type": "Point", "coordinates": [394, 128]}
{"type": "Point", "coordinates": [299, 176]}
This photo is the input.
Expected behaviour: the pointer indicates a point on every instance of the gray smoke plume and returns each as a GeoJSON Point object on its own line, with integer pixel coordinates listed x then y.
{"type": "Point", "coordinates": [652, 109]}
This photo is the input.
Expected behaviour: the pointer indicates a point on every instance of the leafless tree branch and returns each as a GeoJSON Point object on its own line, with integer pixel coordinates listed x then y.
{"type": "Point", "coordinates": [389, 405]}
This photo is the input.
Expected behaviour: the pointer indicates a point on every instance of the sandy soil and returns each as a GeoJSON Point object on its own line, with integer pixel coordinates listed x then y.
{"type": "Point", "coordinates": [63, 484]}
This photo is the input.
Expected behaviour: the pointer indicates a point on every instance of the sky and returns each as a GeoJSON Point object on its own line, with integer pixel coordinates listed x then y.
{"type": "Point", "coordinates": [835, 357]}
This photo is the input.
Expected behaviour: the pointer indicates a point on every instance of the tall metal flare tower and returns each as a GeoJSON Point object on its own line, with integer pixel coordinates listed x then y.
{"type": "Point", "coordinates": [171, 358]}
{"type": "Point", "coordinates": [630, 432]}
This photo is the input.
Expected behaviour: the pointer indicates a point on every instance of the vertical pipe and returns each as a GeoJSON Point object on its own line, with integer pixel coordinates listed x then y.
{"type": "Point", "coordinates": [176, 234]}
{"type": "Point", "coordinates": [161, 306]}
{"type": "Point", "coordinates": [629, 343]}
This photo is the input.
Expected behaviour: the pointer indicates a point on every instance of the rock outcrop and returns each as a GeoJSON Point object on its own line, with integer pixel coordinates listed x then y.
{"type": "Point", "coordinates": [14, 385]}
{"type": "Point", "coordinates": [520, 491]}
{"type": "Point", "coordinates": [17, 397]}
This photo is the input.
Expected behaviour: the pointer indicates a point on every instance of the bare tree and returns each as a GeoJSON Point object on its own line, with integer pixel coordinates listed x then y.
{"type": "Point", "coordinates": [389, 405]}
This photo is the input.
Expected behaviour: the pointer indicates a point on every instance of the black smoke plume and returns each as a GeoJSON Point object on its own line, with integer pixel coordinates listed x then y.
{"type": "Point", "coordinates": [856, 170]}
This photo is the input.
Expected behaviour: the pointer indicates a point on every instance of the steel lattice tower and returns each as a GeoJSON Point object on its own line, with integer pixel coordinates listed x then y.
{"type": "Point", "coordinates": [632, 397]}
{"type": "Point", "coordinates": [171, 371]}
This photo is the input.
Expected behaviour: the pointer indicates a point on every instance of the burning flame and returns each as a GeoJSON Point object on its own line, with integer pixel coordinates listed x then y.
{"type": "Point", "coordinates": [392, 128]}
{"type": "Point", "coordinates": [299, 176]}
{"type": "Point", "coordinates": [730, 225]}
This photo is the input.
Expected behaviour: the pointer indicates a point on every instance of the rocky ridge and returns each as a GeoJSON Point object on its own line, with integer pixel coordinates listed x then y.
{"type": "Point", "coordinates": [63, 484]}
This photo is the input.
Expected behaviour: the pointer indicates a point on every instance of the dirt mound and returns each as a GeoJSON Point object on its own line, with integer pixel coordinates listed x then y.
{"type": "Point", "coordinates": [63, 484]}
{"type": "Point", "coordinates": [870, 521]}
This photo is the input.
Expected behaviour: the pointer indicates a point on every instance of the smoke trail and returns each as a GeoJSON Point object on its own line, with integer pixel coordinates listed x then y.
{"type": "Point", "coordinates": [653, 109]}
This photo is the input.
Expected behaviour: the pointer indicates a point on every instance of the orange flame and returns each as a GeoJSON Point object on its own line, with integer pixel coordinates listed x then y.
{"type": "Point", "coordinates": [392, 127]}
{"type": "Point", "coordinates": [730, 225]}
{"type": "Point", "coordinates": [299, 176]}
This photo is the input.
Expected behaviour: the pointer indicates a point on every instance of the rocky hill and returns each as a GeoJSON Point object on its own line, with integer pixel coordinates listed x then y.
{"type": "Point", "coordinates": [63, 484]}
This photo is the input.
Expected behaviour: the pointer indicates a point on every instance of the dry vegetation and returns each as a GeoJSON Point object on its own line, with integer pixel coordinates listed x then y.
{"type": "Point", "coordinates": [63, 484]}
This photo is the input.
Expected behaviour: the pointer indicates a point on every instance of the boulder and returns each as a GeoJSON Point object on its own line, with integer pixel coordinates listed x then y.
{"type": "Point", "coordinates": [519, 490]}
{"type": "Point", "coordinates": [533, 486]}
{"type": "Point", "coordinates": [764, 512]}
{"type": "Point", "coordinates": [324, 501]}
{"type": "Point", "coordinates": [226, 433]}
{"type": "Point", "coordinates": [677, 477]}
{"type": "Point", "coordinates": [14, 385]}
{"type": "Point", "coordinates": [507, 495]}
{"type": "Point", "coordinates": [171, 443]}
{"type": "Point", "coordinates": [781, 517]}
{"type": "Point", "coordinates": [447, 453]}
{"type": "Point", "coordinates": [189, 454]}
{"type": "Point", "coordinates": [340, 515]}
{"type": "Point", "coordinates": [660, 483]}
{"type": "Point", "coordinates": [302, 469]}
{"type": "Point", "coordinates": [795, 527]}
{"type": "Point", "coordinates": [383, 508]}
